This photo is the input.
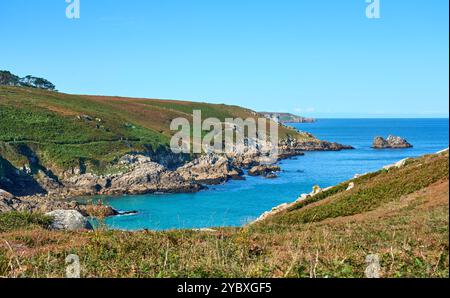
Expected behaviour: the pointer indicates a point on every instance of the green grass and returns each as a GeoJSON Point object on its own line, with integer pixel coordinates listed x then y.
{"type": "Point", "coordinates": [384, 187]}
{"type": "Point", "coordinates": [18, 220]}
{"type": "Point", "coordinates": [48, 124]}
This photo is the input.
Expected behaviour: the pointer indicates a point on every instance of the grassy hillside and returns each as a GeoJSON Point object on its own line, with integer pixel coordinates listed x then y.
{"type": "Point", "coordinates": [65, 129]}
{"type": "Point", "coordinates": [401, 214]}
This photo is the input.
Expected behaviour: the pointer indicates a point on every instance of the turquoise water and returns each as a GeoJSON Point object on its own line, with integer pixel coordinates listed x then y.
{"type": "Point", "coordinates": [237, 202]}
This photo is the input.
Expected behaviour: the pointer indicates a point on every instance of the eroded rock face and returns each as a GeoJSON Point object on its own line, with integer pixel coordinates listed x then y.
{"type": "Point", "coordinates": [210, 169]}
{"type": "Point", "coordinates": [392, 142]}
{"type": "Point", "coordinates": [68, 220]}
{"type": "Point", "coordinates": [142, 176]}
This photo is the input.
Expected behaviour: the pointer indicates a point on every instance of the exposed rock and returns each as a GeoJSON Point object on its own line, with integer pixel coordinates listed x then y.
{"type": "Point", "coordinates": [143, 176]}
{"type": "Point", "coordinates": [70, 220]}
{"type": "Point", "coordinates": [210, 169]}
{"type": "Point", "coordinates": [303, 197]}
{"type": "Point", "coordinates": [399, 164]}
{"type": "Point", "coordinates": [392, 142]}
{"type": "Point", "coordinates": [99, 211]}
{"type": "Point", "coordinates": [270, 213]}
{"type": "Point", "coordinates": [159, 171]}
{"type": "Point", "coordinates": [351, 185]}
{"type": "Point", "coordinates": [359, 175]}
{"type": "Point", "coordinates": [130, 159]}
{"type": "Point", "coordinates": [9, 203]}
{"type": "Point", "coordinates": [271, 176]}
{"type": "Point", "coordinates": [291, 146]}
{"type": "Point", "coordinates": [206, 230]}
{"type": "Point", "coordinates": [264, 170]}
{"type": "Point", "coordinates": [5, 195]}
{"type": "Point", "coordinates": [316, 190]}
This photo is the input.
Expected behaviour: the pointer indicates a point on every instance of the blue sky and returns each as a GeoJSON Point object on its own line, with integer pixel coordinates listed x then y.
{"type": "Point", "coordinates": [315, 58]}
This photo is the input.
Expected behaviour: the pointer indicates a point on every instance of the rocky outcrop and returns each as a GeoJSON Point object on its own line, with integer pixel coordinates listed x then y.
{"type": "Point", "coordinates": [267, 171]}
{"type": "Point", "coordinates": [285, 206]}
{"type": "Point", "coordinates": [98, 211]}
{"type": "Point", "coordinates": [392, 142]}
{"type": "Point", "coordinates": [39, 203]}
{"type": "Point", "coordinates": [210, 169]}
{"type": "Point", "coordinates": [8, 202]}
{"type": "Point", "coordinates": [291, 146]}
{"type": "Point", "coordinates": [68, 220]}
{"type": "Point", "coordinates": [399, 164]}
{"type": "Point", "coordinates": [142, 176]}
{"type": "Point", "coordinates": [158, 171]}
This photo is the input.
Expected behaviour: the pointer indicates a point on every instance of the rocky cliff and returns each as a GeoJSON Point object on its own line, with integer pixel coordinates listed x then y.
{"type": "Point", "coordinates": [65, 146]}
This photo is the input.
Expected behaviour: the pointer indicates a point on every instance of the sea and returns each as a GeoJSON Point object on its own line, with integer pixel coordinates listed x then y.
{"type": "Point", "coordinates": [236, 203]}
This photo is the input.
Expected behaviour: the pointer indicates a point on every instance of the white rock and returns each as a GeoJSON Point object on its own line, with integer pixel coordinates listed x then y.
{"type": "Point", "coordinates": [70, 220]}
{"type": "Point", "coordinates": [398, 164]}
{"type": "Point", "coordinates": [205, 230]}
{"type": "Point", "coordinates": [302, 198]}
{"type": "Point", "coordinates": [351, 185]}
{"type": "Point", "coordinates": [401, 163]}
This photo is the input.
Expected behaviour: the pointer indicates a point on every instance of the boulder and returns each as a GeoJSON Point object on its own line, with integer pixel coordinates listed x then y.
{"type": "Point", "coordinates": [70, 220]}
{"type": "Point", "coordinates": [392, 142]}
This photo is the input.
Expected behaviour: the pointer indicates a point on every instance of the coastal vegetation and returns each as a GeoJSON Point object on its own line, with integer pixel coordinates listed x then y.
{"type": "Point", "coordinates": [63, 129]}
{"type": "Point", "coordinates": [401, 214]}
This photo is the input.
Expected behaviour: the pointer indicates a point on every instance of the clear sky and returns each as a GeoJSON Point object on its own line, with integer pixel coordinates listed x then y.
{"type": "Point", "coordinates": [316, 58]}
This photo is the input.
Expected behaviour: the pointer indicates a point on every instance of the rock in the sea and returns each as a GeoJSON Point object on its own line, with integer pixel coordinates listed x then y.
{"type": "Point", "coordinates": [292, 147]}
{"type": "Point", "coordinates": [99, 211]}
{"type": "Point", "coordinates": [267, 171]}
{"type": "Point", "coordinates": [392, 142]}
{"type": "Point", "coordinates": [70, 220]}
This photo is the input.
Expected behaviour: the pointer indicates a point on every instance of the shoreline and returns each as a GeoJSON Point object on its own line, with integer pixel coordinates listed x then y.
{"type": "Point", "coordinates": [350, 184]}
{"type": "Point", "coordinates": [145, 176]}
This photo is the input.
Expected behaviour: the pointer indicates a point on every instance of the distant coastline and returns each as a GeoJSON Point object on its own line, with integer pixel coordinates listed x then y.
{"type": "Point", "coordinates": [287, 117]}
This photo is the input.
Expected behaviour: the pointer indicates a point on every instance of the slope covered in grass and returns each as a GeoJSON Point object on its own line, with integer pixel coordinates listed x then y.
{"type": "Point", "coordinates": [64, 130]}
{"type": "Point", "coordinates": [402, 215]}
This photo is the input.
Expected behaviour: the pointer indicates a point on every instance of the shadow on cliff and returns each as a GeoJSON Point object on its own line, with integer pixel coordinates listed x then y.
{"type": "Point", "coordinates": [17, 181]}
